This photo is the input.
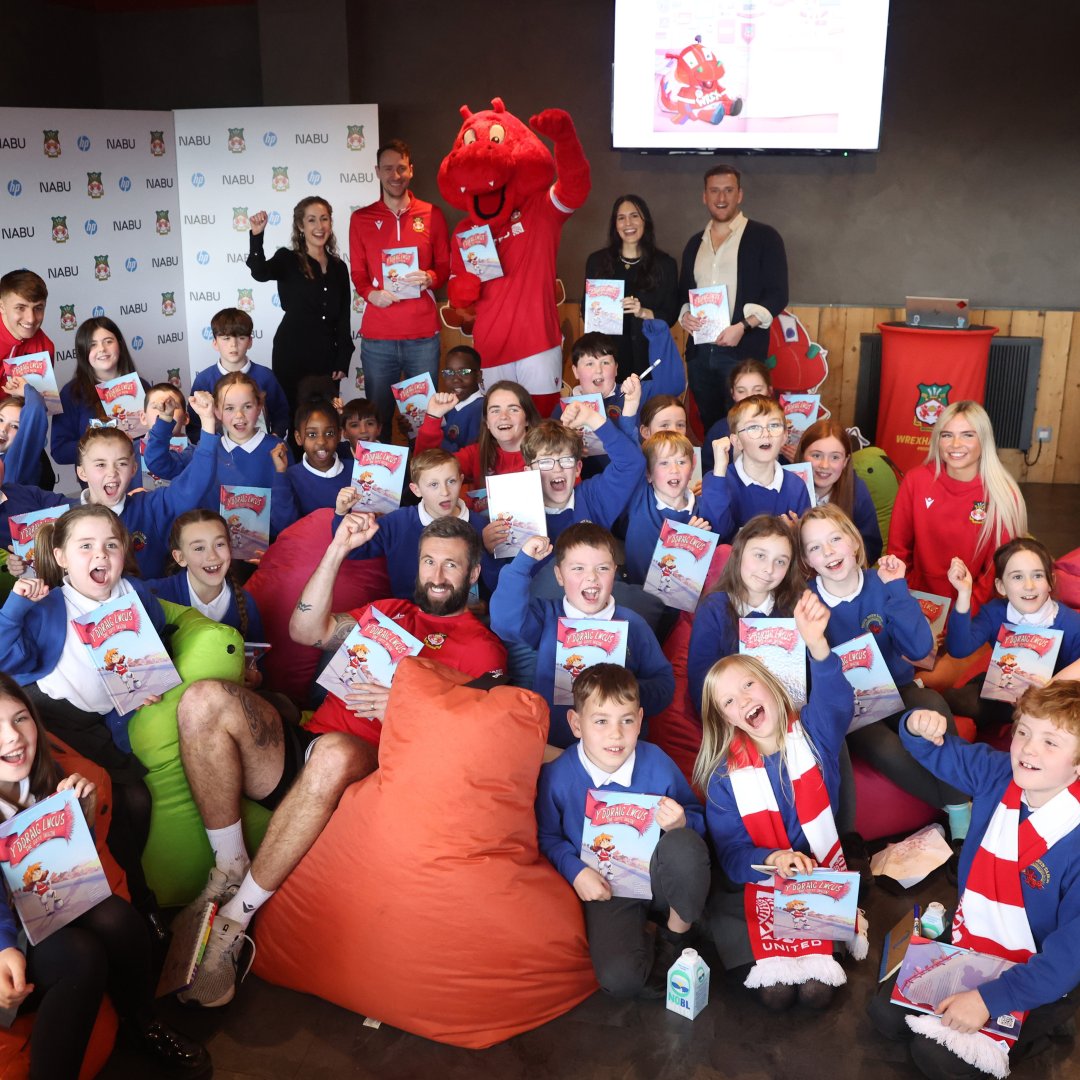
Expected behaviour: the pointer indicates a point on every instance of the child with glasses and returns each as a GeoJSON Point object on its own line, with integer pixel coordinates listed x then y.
{"type": "Point", "coordinates": [460, 375]}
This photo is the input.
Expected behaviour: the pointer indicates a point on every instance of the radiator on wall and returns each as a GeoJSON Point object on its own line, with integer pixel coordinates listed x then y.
{"type": "Point", "coordinates": [1012, 379]}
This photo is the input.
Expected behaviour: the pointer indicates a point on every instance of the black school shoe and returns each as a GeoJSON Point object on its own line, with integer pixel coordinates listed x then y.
{"type": "Point", "coordinates": [669, 946]}
{"type": "Point", "coordinates": [173, 1054]}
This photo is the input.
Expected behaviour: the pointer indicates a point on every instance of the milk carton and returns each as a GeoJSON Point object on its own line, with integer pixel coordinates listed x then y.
{"type": "Point", "coordinates": [688, 984]}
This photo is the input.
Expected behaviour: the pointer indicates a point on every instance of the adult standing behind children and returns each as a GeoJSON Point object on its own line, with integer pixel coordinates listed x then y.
{"type": "Point", "coordinates": [749, 258]}
{"type": "Point", "coordinates": [313, 344]}
{"type": "Point", "coordinates": [400, 337]}
{"type": "Point", "coordinates": [22, 311]}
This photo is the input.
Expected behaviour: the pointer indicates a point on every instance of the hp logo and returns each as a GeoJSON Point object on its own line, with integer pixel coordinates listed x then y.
{"type": "Point", "coordinates": [137, 343]}
{"type": "Point", "coordinates": [314, 177]}
{"type": "Point", "coordinates": [125, 183]}
{"type": "Point", "coordinates": [83, 143]}
{"type": "Point", "coordinates": [14, 188]}
{"type": "Point", "coordinates": [207, 333]}
{"type": "Point", "coordinates": [202, 258]}
{"type": "Point", "coordinates": [98, 312]}
{"type": "Point", "coordinates": [197, 179]}
{"type": "Point", "coordinates": [131, 265]}
{"type": "Point", "coordinates": [269, 139]}
{"type": "Point", "coordinates": [90, 227]}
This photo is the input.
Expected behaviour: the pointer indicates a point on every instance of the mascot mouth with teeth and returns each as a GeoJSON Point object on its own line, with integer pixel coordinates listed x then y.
{"type": "Point", "coordinates": [501, 175]}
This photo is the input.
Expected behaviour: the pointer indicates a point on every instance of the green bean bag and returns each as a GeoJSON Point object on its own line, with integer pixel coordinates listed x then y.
{"type": "Point", "coordinates": [177, 858]}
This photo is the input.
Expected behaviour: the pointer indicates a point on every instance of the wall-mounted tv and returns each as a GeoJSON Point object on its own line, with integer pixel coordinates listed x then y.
{"type": "Point", "coordinates": [742, 75]}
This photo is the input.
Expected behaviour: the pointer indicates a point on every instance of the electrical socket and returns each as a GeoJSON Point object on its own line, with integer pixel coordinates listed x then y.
{"type": "Point", "coordinates": [1044, 434]}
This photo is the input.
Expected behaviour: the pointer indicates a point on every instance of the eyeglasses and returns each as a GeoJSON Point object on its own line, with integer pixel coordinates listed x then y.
{"type": "Point", "coordinates": [450, 372]}
{"type": "Point", "coordinates": [755, 431]}
{"type": "Point", "coordinates": [546, 464]}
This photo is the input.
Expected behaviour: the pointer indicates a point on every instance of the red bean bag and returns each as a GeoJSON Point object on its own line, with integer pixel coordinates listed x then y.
{"type": "Point", "coordinates": [425, 902]}
{"type": "Point", "coordinates": [277, 584]}
{"type": "Point", "coordinates": [1067, 578]}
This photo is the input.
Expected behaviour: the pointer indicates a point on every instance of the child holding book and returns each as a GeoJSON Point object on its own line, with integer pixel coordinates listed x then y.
{"type": "Point", "coordinates": [861, 600]}
{"type": "Point", "coordinates": [606, 722]}
{"type": "Point", "coordinates": [164, 402]}
{"type": "Point", "coordinates": [317, 478]}
{"type": "Point", "coordinates": [359, 423]}
{"type": "Point", "coordinates": [827, 446]}
{"type": "Point", "coordinates": [461, 377]}
{"type": "Point", "coordinates": [772, 778]}
{"type": "Point", "coordinates": [64, 977]}
{"type": "Point", "coordinates": [748, 378]}
{"type": "Point", "coordinates": [1024, 581]}
{"type": "Point", "coordinates": [1019, 884]}
{"type": "Point", "coordinates": [585, 571]}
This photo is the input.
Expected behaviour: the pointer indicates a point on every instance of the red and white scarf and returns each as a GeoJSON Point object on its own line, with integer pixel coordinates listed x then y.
{"type": "Point", "coordinates": [756, 800]}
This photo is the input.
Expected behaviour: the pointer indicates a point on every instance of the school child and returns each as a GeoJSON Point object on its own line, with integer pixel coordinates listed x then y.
{"type": "Point", "coordinates": [772, 778]}
{"type": "Point", "coordinates": [18, 499]}
{"type": "Point", "coordinates": [107, 948]}
{"type": "Point", "coordinates": [878, 601]}
{"type": "Point", "coordinates": [760, 578]}
{"type": "Point", "coordinates": [232, 329]}
{"type": "Point", "coordinates": [585, 571]}
{"type": "Point", "coordinates": [509, 413]}
{"type": "Point", "coordinates": [164, 402]}
{"type": "Point", "coordinates": [435, 479]}
{"type": "Point", "coordinates": [962, 502]}
{"type": "Point", "coordinates": [82, 559]}
{"type": "Point", "coordinates": [22, 414]}
{"type": "Point", "coordinates": [755, 483]}
{"type": "Point", "coordinates": [748, 377]}
{"type": "Point", "coordinates": [1024, 580]}
{"type": "Point", "coordinates": [22, 311]}
{"type": "Point", "coordinates": [606, 722]}
{"type": "Point", "coordinates": [317, 478]}
{"type": "Point", "coordinates": [461, 377]}
{"type": "Point", "coordinates": [1019, 886]}
{"type": "Point", "coordinates": [662, 412]}
{"type": "Point", "coordinates": [359, 423]}
{"type": "Point", "coordinates": [827, 447]}
{"type": "Point", "coordinates": [101, 353]}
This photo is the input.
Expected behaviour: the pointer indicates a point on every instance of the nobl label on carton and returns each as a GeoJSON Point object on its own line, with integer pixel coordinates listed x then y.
{"type": "Point", "coordinates": [688, 987]}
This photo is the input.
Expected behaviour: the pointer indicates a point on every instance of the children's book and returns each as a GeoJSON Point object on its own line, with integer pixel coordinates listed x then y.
{"type": "Point", "coordinates": [177, 445]}
{"type": "Point", "coordinates": [519, 499]}
{"type": "Point", "coordinates": [50, 865]}
{"type": "Point", "coordinates": [1023, 656]}
{"type": "Point", "coordinates": [190, 933]}
{"type": "Point", "coordinates": [592, 446]}
{"type": "Point", "coordinates": [800, 411]}
{"type": "Point", "coordinates": [122, 400]}
{"type": "Point", "coordinates": [479, 254]}
{"type": "Point", "coordinates": [246, 511]}
{"type": "Point", "coordinates": [780, 647]}
{"type": "Point", "coordinates": [396, 263]}
{"type": "Point", "coordinates": [370, 654]}
{"type": "Point", "coordinates": [679, 563]}
{"type": "Point", "coordinates": [711, 303]}
{"type": "Point", "coordinates": [581, 643]}
{"type": "Point", "coordinates": [477, 500]}
{"type": "Point", "coordinates": [412, 397]}
{"type": "Point", "coordinates": [895, 946]}
{"type": "Point", "coordinates": [127, 652]}
{"type": "Point", "coordinates": [603, 305]}
{"type": "Point", "coordinates": [25, 527]}
{"type": "Point", "coordinates": [379, 475]}
{"type": "Point", "coordinates": [933, 970]}
{"type": "Point", "coordinates": [37, 370]}
{"type": "Point", "coordinates": [805, 472]}
{"type": "Point", "coordinates": [820, 906]}
{"type": "Point", "coordinates": [619, 839]}
{"type": "Point", "coordinates": [936, 610]}
{"type": "Point", "coordinates": [864, 667]}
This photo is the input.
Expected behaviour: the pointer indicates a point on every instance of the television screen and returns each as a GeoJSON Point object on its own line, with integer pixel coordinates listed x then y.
{"type": "Point", "coordinates": [705, 75]}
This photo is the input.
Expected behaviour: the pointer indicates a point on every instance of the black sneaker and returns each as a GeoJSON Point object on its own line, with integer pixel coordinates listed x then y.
{"type": "Point", "coordinates": [174, 1054]}
{"type": "Point", "coordinates": [952, 867]}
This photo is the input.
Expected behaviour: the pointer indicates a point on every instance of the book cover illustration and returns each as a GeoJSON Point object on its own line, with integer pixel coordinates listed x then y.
{"type": "Point", "coordinates": [396, 263]}
{"type": "Point", "coordinates": [122, 400]}
{"type": "Point", "coordinates": [821, 906]}
{"type": "Point", "coordinates": [379, 475]}
{"type": "Point", "coordinates": [619, 838]}
{"type": "Point", "coordinates": [936, 609]}
{"type": "Point", "coordinates": [712, 305]}
{"type": "Point", "coordinates": [177, 445]}
{"type": "Point", "coordinates": [864, 667]}
{"type": "Point", "coordinates": [412, 397]}
{"type": "Point", "coordinates": [370, 654]}
{"type": "Point", "coordinates": [933, 970]}
{"type": "Point", "coordinates": [581, 643]}
{"type": "Point", "coordinates": [479, 254]}
{"type": "Point", "coordinates": [50, 865]}
{"type": "Point", "coordinates": [37, 370]}
{"type": "Point", "coordinates": [477, 499]}
{"type": "Point", "coordinates": [780, 647]}
{"type": "Point", "coordinates": [680, 561]}
{"type": "Point", "coordinates": [25, 527]}
{"type": "Point", "coordinates": [246, 511]}
{"type": "Point", "coordinates": [800, 411]}
{"type": "Point", "coordinates": [127, 652]}
{"type": "Point", "coordinates": [805, 472]}
{"type": "Point", "coordinates": [603, 305]}
{"type": "Point", "coordinates": [590, 441]}
{"type": "Point", "coordinates": [1023, 656]}
{"type": "Point", "coordinates": [519, 499]}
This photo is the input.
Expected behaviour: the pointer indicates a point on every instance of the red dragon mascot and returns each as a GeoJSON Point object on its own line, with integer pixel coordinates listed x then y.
{"type": "Point", "coordinates": [501, 175]}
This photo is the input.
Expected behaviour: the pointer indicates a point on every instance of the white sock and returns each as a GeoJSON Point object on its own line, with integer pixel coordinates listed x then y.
{"type": "Point", "coordinates": [248, 899]}
{"type": "Point", "coordinates": [230, 854]}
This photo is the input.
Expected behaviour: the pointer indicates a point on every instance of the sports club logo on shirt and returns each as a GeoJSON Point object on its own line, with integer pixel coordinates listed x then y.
{"type": "Point", "coordinates": [978, 512]}
{"type": "Point", "coordinates": [418, 224]}
{"type": "Point", "coordinates": [933, 398]}
{"type": "Point", "coordinates": [435, 641]}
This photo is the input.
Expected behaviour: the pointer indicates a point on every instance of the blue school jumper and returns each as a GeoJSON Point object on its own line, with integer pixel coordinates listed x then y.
{"type": "Point", "coordinates": [22, 460]}
{"type": "Point", "coordinates": [461, 425]}
{"type": "Point", "coordinates": [738, 502]}
{"type": "Point", "coordinates": [69, 426]}
{"type": "Point", "coordinates": [965, 634]}
{"type": "Point", "coordinates": [177, 590]}
{"type": "Point", "coordinates": [299, 490]}
{"type": "Point", "coordinates": [276, 404]}
{"type": "Point", "coordinates": [22, 499]}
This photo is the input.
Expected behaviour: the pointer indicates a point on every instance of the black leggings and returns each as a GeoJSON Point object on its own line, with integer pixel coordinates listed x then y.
{"type": "Point", "coordinates": [105, 949]}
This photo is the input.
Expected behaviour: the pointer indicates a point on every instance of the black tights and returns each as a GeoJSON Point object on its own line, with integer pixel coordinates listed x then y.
{"type": "Point", "coordinates": [105, 949]}
{"type": "Point", "coordinates": [129, 830]}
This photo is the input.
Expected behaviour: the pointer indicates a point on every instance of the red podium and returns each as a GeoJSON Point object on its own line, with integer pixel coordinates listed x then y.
{"type": "Point", "coordinates": [922, 371]}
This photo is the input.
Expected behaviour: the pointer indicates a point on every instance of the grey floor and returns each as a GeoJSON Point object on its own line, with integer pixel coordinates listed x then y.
{"type": "Point", "coordinates": [275, 1033]}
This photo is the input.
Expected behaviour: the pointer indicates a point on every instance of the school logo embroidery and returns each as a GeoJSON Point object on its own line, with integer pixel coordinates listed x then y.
{"type": "Point", "coordinates": [67, 317]}
{"type": "Point", "coordinates": [978, 512]}
{"type": "Point", "coordinates": [452, 432]}
{"type": "Point", "coordinates": [101, 267]}
{"type": "Point", "coordinates": [435, 641]}
{"type": "Point", "coordinates": [1037, 875]}
{"type": "Point", "coordinates": [236, 142]}
{"type": "Point", "coordinates": [138, 540]}
{"type": "Point", "coordinates": [52, 144]}
{"type": "Point", "coordinates": [162, 226]}
{"type": "Point", "coordinates": [244, 300]}
{"type": "Point", "coordinates": [933, 398]}
{"type": "Point", "coordinates": [354, 140]}
{"type": "Point", "coordinates": [280, 181]}
{"type": "Point", "coordinates": [59, 230]}
{"type": "Point", "coordinates": [157, 143]}
{"type": "Point", "coordinates": [874, 623]}
{"type": "Point", "coordinates": [94, 187]}
{"type": "Point", "coordinates": [240, 218]}
{"type": "Point", "coordinates": [614, 412]}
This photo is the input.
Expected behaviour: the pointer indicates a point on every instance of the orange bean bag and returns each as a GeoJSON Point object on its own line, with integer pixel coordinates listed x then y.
{"type": "Point", "coordinates": [425, 902]}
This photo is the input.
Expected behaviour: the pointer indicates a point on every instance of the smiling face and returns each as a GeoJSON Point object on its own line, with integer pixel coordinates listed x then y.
{"type": "Point", "coordinates": [18, 741]}
{"type": "Point", "coordinates": [238, 412]}
{"type": "Point", "coordinates": [205, 553]}
{"type": "Point", "coordinates": [1044, 758]}
{"type": "Point", "coordinates": [9, 423]}
{"type": "Point", "coordinates": [629, 224]}
{"type": "Point", "coordinates": [233, 348]}
{"type": "Point", "coordinates": [93, 557]}
{"type": "Point", "coordinates": [596, 374]}
{"type": "Point", "coordinates": [22, 317]}
{"type": "Point", "coordinates": [443, 578]}
{"type": "Point", "coordinates": [673, 418]}
{"type": "Point", "coordinates": [587, 576]}
{"type": "Point", "coordinates": [608, 730]}
{"type": "Point", "coordinates": [104, 354]}
{"type": "Point", "coordinates": [460, 375]}
{"type": "Point", "coordinates": [723, 196]}
{"type": "Point", "coordinates": [107, 467]}
{"type": "Point", "coordinates": [506, 419]}
{"type": "Point", "coordinates": [438, 489]}
{"type": "Point", "coordinates": [319, 437]}
{"type": "Point", "coordinates": [765, 561]}
{"type": "Point", "coordinates": [669, 475]}
{"type": "Point", "coordinates": [557, 483]}
{"type": "Point", "coordinates": [960, 448]}
{"type": "Point", "coordinates": [1026, 583]}
{"type": "Point", "coordinates": [746, 703]}
{"type": "Point", "coordinates": [831, 553]}
{"type": "Point", "coordinates": [362, 429]}
{"type": "Point", "coordinates": [395, 174]}
{"type": "Point", "coordinates": [828, 458]}
{"type": "Point", "coordinates": [316, 226]}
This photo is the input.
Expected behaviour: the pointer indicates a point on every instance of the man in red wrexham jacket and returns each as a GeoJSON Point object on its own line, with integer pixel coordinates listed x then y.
{"type": "Point", "coordinates": [22, 310]}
